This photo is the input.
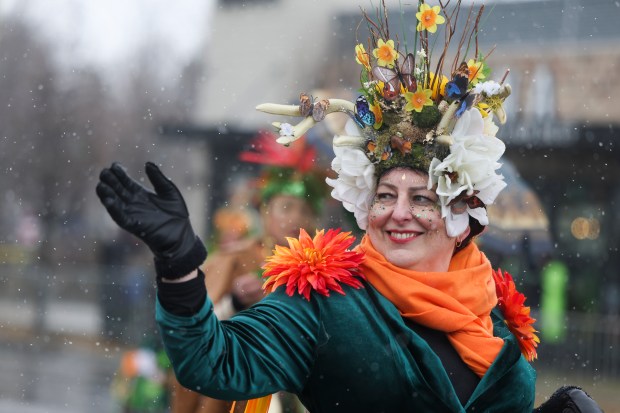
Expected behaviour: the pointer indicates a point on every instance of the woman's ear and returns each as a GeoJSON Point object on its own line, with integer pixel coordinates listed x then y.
{"type": "Point", "coordinates": [463, 236]}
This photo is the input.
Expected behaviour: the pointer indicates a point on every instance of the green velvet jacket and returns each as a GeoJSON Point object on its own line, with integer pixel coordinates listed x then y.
{"type": "Point", "coordinates": [342, 353]}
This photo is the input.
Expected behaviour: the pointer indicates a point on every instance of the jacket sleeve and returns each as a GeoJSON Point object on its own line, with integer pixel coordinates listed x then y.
{"type": "Point", "coordinates": [267, 348]}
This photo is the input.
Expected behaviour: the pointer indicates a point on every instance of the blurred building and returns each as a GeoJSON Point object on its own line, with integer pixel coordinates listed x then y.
{"type": "Point", "coordinates": [564, 124]}
{"type": "Point", "coordinates": [564, 114]}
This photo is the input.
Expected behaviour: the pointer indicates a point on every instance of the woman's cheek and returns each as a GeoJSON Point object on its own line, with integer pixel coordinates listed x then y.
{"type": "Point", "coordinates": [429, 218]}
{"type": "Point", "coordinates": [377, 211]}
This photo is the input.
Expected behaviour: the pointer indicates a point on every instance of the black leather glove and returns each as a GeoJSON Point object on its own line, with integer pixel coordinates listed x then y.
{"type": "Point", "coordinates": [569, 399]}
{"type": "Point", "coordinates": [159, 218]}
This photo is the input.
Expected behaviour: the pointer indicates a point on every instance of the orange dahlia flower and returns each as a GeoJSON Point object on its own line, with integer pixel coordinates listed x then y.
{"type": "Point", "coordinates": [516, 314]}
{"type": "Point", "coordinates": [321, 264]}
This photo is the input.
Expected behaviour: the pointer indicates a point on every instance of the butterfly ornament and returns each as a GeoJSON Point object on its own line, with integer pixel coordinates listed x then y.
{"type": "Point", "coordinates": [393, 78]}
{"type": "Point", "coordinates": [363, 116]}
{"type": "Point", "coordinates": [308, 107]}
{"type": "Point", "coordinates": [456, 90]}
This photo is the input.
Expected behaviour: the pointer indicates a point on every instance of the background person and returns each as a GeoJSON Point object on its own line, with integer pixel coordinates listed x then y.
{"type": "Point", "coordinates": [290, 194]}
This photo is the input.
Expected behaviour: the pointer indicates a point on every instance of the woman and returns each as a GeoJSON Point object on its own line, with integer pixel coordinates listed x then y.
{"type": "Point", "coordinates": [290, 192]}
{"type": "Point", "coordinates": [414, 318]}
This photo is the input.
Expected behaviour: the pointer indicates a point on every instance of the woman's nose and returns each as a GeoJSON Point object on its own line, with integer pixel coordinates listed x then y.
{"type": "Point", "coordinates": [402, 210]}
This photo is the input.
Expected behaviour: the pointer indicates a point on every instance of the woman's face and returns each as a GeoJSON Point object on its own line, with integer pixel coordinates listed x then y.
{"type": "Point", "coordinates": [283, 215]}
{"type": "Point", "coordinates": [405, 224]}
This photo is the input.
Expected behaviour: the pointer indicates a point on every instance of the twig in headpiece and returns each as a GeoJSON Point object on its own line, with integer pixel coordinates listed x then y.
{"type": "Point", "coordinates": [451, 20]}
{"type": "Point", "coordinates": [385, 16]}
{"type": "Point", "coordinates": [476, 27]}
{"type": "Point", "coordinates": [505, 76]}
{"type": "Point", "coordinates": [372, 26]}
{"type": "Point", "coordinates": [464, 36]}
{"type": "Point", "coordinates": [474, 31]}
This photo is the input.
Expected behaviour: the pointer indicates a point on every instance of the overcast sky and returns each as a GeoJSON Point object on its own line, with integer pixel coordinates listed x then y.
{"type": "Point", "coordinates": [107, 32]}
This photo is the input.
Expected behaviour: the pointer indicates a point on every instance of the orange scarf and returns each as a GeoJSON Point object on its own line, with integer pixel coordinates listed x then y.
{"type": "Point", "coordinates": [457, 302]}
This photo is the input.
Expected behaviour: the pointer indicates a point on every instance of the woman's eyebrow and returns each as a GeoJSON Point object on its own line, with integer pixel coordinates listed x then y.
{"type": "Point", "coordinates": [394, 187]}
{"type": "Point", "coordinates": [418, 188]}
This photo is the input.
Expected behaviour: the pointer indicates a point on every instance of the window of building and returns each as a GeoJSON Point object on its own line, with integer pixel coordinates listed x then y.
{"type": "Point", "coordinates": [541, 95]}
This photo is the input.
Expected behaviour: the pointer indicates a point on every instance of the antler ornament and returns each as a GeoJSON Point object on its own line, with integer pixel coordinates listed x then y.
{"type": "Point", "coordinates": [298, 130]}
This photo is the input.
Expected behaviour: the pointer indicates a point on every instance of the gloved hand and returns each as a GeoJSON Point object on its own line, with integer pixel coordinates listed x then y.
{"type": "Point", "coordinates": [159, 218]}
{"type": "Point", "coordinates": [569, 399]}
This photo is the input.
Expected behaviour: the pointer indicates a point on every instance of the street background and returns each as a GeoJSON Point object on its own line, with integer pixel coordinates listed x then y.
{"type": "Point", "coordinates": [82, 86]}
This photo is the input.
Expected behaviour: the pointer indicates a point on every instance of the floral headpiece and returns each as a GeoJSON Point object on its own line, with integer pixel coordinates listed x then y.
{"type": "Point", "coordinates": [410, 114]}
{"type": "Point", "coordinates": [290, 171]}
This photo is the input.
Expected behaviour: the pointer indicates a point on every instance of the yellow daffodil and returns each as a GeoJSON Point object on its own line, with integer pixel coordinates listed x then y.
{"type": "Point", "coordinates": [361, 56]}
{"type": "Point", "coordinates": [496, 104]}
{"type": "Point", "coordinates": [418, 99]}
{"type": "Point", "coordinates": [475, 71]}
{"type": "Point", "coordinates": [484, 109]}
{"type": "Point", "coordinates": [379, 85]}
{"type": "Point", "coordinates": [493, 104]}
{"type": "Point", "coordinates": [429, 18]}
{"type": "Point", "coordinates": [385, 53]}
{"type": "Point", "coordinates": [439, 86]}
{"type": "Point", "coordinates": [376, 110]}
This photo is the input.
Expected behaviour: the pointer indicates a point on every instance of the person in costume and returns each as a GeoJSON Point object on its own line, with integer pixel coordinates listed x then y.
{"type": "Point", "coordinates": [290, 190]}
{"type": "Point", "coordinates": [140, 383]}
{"type": "Point", "coordinates": [414, 318]}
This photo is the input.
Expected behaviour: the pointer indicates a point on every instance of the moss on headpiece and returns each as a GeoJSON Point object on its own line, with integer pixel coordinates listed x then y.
{"type": "Point", "coordinates": [427, 118]}
{"type": "Point", "coordinates": [419, 158]}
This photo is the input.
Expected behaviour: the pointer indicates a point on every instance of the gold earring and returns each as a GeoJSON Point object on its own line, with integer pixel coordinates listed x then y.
{"type": "Point", "coordinates": [458, 243]}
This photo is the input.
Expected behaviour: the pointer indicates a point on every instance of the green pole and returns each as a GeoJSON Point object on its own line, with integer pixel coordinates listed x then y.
{"type": "Point", "coordinates": [553, 301]}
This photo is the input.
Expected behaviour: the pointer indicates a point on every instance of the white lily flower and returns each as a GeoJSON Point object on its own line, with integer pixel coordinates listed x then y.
{"type": "Point", "coordinates": [355, 185]}
{"type": "Point", "coordinates": [469, 168]}
{"type": "Point", "coordinates": [455, 223]}
{"type": "Point", "coordinates": [490, 128]}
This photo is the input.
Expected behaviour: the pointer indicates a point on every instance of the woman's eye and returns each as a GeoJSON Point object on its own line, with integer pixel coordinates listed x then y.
{"type": "Point", "coordinates": [384, 196]}
{"type": "Point", "coordinates": [423, 200]}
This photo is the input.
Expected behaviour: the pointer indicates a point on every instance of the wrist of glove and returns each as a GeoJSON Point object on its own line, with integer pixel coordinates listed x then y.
{"type": "Point", "coordinates": [178, 266]}
{"type": "Point", "coordinates": [569, 399]}
{"type": "Point", "coordinates": [159, 218]}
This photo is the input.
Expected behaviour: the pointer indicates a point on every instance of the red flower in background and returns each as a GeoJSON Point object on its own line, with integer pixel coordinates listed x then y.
{"type": "Point", "coordinates": [321, 264]}
{"type": "Point", "coordinates": [516, 314]}
{"type": "Point", "coordinates": [266, 151]}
